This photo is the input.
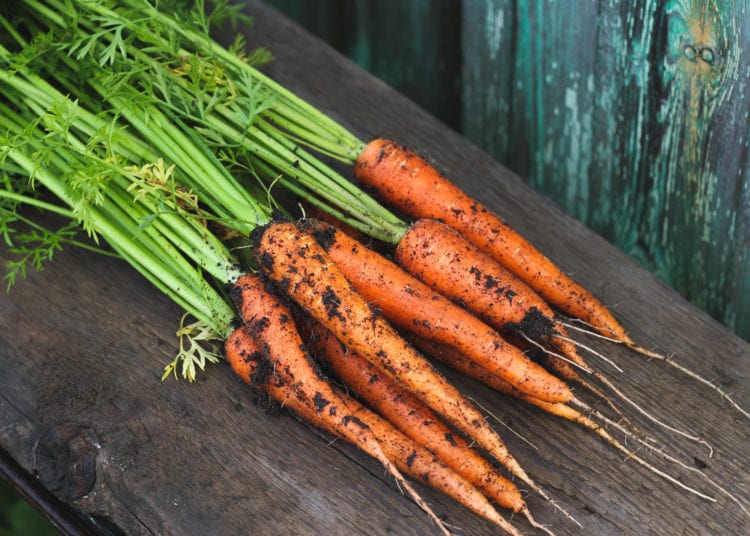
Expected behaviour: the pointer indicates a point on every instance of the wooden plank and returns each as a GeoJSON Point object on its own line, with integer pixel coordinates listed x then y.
{"type": "Point", "coordinates": [633, 117]}
{"type": "Point", "coordinates": [82, 406]}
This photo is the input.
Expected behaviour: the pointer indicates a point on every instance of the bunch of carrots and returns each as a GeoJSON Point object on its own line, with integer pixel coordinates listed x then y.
{"type": "Point", "coordinates": [170, 147]}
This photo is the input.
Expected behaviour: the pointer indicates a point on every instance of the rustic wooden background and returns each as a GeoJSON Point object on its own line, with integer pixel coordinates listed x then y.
{"type": "Point", "coordinates": [631, 114]}
{"type": "Point", "coordinates": [85, 417]}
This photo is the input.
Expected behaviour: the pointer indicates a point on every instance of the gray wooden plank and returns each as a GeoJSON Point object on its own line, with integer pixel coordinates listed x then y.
{"type": "Point", "coordinates": [83, 342]}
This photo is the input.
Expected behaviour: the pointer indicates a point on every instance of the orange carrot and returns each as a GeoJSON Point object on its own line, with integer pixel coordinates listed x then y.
{"type": "Point", "coordinates": [251, 361]}
{"type": "Point", "coordinates": [465, 365]}
{"type": "Point", "coordinates": [269, 337]}
{"type": "Point", "coordinates": [410, 184]}
{"type": "Point", "coordinates": [409, 304]}
{"type": "Point", "coordinates": [443, 259]}
{"type": "Point", "coordinates": [303, 271]}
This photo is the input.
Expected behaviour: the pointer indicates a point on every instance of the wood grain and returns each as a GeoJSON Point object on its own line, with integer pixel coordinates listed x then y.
{"type": "Point", "coordinates": [83, 342]}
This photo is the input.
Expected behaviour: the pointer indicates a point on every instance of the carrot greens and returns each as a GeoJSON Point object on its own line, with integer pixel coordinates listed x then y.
{"type": "Point", "coordinates": [114, 186]}
{"type": "Point", "coordinates": [218, 93]}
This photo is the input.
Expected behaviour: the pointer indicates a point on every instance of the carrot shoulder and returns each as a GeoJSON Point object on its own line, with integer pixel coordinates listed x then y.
{"type": "Point", "coordinates": [409, 304]}
{"type": "Point", "coordinates": [409, 183]}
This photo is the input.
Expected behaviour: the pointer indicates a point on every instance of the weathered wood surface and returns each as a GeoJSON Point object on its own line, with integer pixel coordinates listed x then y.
{"type": "Point", "coordinates": [82, 345]}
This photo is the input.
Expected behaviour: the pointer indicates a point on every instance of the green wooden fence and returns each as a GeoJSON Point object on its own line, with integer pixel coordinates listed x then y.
{"type": "Point", "coordinates": [633, 115]}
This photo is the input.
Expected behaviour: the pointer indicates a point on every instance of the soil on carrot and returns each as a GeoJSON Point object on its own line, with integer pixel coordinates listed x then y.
{"type": "Point", "coordinates": [257, 327]}
{"type": "Point", "coordinates": [492, 284]}
{"type": "Point", "coordinates": [259, 378]}
{"type": "Point", "coordinates": [332, 303]}
{"type": "Point", "coordinates": [262, 371]}
{"type": "Point", "coordinates": [534, 324]}
{"type": "Point", "coordinates": [266, 261]}
{"type": "Point", "coordinates": [321, 402]}
{"type": "Point", "coordinates": [449, 438]}
{"type": "Point", "coordinates": [325, 236]}
{"type": "Point", "coordinates": [351, 418]}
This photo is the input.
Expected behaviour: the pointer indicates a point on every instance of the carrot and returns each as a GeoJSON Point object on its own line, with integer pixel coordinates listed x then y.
{"type": "Point", "coordinates": [269, 337]}
{"type": "Point", "coordinates": [303, 271]}
{"type": "Point", "coordinates": [408, 182]}
{"type": "Point", "coordinates": [465, 365]}
{"type": "Point", "coordinates": [415, 420]}
{"type": "Point", "coordinates": [444, 260]}
{"type": "Point", "coordinates": [409, 304]}
{"type": "Point", "coordinates": [251, 360]}
{"type": "Point", "coordinates": [439, 256]}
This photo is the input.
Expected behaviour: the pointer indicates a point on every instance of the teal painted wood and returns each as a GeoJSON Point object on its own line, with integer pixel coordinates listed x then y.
{"type": "Point", "coordinates": [413, 46]}
{"type": "Point", "coordinates": [632, 116]}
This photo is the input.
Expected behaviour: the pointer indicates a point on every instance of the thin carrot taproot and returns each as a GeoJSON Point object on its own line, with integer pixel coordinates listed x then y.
{"type": "Point", "coordinates": [412, 185]}
{"type": "Point", "coordinates": [269, 336]}
{"type": "Point", "coordinates": [409, 304]}
{"type": "Point", "coordinates": [302, 270]}
{"type": "Point", "coordinates": [463, 364]}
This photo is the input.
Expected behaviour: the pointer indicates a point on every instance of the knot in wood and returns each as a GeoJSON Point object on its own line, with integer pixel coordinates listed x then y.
{"type": "Point", "coordinates": [65, 460]}
{"type": "Point", "coordinates": [692, 53]}
{"type": "Point", "coordinates": [707, 55]}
